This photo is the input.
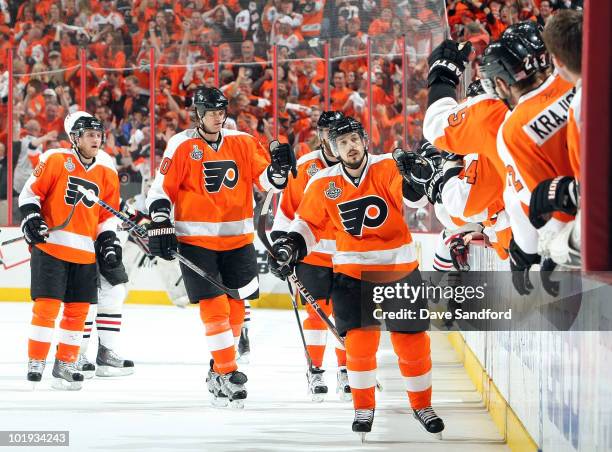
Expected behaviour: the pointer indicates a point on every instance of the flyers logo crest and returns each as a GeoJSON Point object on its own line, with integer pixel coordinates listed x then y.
{"type": "Point", "coordinates": [369, 211]}
{"type": "Point", "coordinates": [218, 173]}
{"type": "Point", "coordinates": [74, 196]}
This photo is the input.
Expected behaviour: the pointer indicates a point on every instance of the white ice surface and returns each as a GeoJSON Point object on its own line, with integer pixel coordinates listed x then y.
{"type": "Point", "coordinates": [165, 405]}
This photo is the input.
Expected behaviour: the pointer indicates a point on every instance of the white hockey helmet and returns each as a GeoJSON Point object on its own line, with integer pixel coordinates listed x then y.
{"type": "Point", "coordinates": [72, 118]}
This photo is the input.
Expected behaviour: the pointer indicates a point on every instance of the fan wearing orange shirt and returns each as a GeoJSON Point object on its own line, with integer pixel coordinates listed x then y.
{"type": "Point", "coordinates": [361, 202]}
{"type": "Point", "coordinates": [315, 271]}
{"type": "Point", "coordinates": [64, 256]}
{"type": "Point", "coordinates": [206, 178]}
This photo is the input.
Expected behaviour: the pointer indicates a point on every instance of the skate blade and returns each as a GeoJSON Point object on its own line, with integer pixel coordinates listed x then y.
{"type": "Point", "coordinates": [318, 398]}
{"type": "Point", "coordinates": [33, 385]}
{"type": "Point", "coordinates": [237, 404]}
{"type": "Point", "coordinates": [218, 402]}
{"type": "Point", "coordinates": [110, 371]}
{"type": "Point", "coordinates": [88, 374]}
{"type": "Point", "coordinates": [362, 435]}
{"type": "Point", "coordinates": [345, 396]}
{"type": "Point", "coordinates": [62, 385]}
{"type": "Point", "coordinates": [244, 358]}
{"type": "Point", "coordinates": [438, 435]}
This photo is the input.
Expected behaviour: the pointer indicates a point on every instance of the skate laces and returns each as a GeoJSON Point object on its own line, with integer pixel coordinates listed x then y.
{"type": "Point", "coordinates": [427, 414]}
{"type": "Point", "coordinates": [36, 365]}
{"type": "Point", "coordinates": [315, 376]}
{"type": "Point", "coordinates": [364, 415]}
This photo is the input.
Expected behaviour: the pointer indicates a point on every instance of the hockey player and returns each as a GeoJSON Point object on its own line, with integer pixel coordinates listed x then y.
{"type": "Point", "coordinates": [362, 200]}
{"type": "Point", "coordinates": [207, 176]}
{"type": "Point", "coordinates": [107, 314]}
{"type": "Point", "coordinates": [532, 143]}
{"type": "Point", "coordinates": [315, 271]}
{"type": "Point", "coordinates": [563, 38]}
{"type": "Point", "coordinates": [63, 262]}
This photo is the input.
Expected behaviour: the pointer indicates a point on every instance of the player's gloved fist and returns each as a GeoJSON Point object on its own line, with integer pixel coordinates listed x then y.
{"type": "Point", "coordinates": [459, 252]}
{"type": "Point", "coordinates": [520, 263]}
{"type": "Point", "coordinates": [546, 270]}
{"type": "Point", "coordinates": [283, 161]}
{"type": "Point", "coordinates": [34, 228]}
{"type": "Point", "coordinates": [108, 249]}
{"type": "Point", "coordinates": [162, 239]}
{"type": "Point", "coordinates": [421, 173]}
{"type": "Point", "coordinates": [447, 62]}
{"type": "Point", "coordinates": [287, 250]}
{"type": "Point", "coordinates": [553, 195]}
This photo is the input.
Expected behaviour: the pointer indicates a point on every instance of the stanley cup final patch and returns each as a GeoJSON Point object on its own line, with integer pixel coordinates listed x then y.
{"type": "Point", "coordinates": [196, 153]}
{"type": "Point", "coordinates": [332, 191]}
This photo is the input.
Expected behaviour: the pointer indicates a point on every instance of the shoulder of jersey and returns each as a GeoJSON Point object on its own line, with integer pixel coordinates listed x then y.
{"type": "Point", "coordinates": [176, 140]}
{"type": "Point", "coordinates": [487, 99]}
{"type": "Point", "coordinates": [381, 158]}
{"type": "Point", "coordinates": [331, 171]}
{"type": "Point", "coordinates": [312, 155]}
{"type": "Point", "coordinates": [231, 133]}
{"type": "Point", "coordinates": [53, 153]}
{"type": "Point", "coordinates": [106, 160]}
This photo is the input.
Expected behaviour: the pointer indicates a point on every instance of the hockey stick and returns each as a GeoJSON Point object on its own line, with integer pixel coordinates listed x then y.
{"type": "Point", "coordinates": [237, 294]}
{"type": "Point", "coordinates": [299, 322]}
{"type": "Point", "coordinates": [54, 228]}
{"type": "Point", "coordinates": [261, 233]}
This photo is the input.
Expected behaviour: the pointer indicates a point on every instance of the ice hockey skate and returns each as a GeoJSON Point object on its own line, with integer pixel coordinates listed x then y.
{"type": "Point", "coordinates": [111, 365]}
{"type": "Point", "coordinates": [244, 346]}
{"type": "Point", "coordinates": [316, 384]}
{"type": "Point", "coordinates": [342, 385]}
{"type": "Point", "coordinates": [36, 368]}
{"type": "Point", "coordinates": [218, 397]}
{"type": "Point", "coordinates": [430, 421]}
{"type": "Point", "coordinates": [362, 423]}
{"type": "Point", "coordinates": [66, 377]}
{"type": "Point", "coordinates": [86, 367]}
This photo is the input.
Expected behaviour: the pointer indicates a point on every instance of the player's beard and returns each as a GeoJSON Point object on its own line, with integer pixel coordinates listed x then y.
{"type": "Point", "coordinates": [354, 165]}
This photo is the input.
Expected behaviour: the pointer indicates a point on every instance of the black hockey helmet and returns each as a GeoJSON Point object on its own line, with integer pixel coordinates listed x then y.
{"type": "Point", "coordinates": [84, 123]}
{"type": "Point", "coordinates": [474, 89]}
{"type": "Point", "coordinates": [208, 99]}
{"type": "Point", "coordinates": [511, 58]}
{"type": "Point", "coordinates": [329, 118]}
{"type": "Point", "coordinates": [343, 126]}
{"type": "Point", "coordinates": [531, 32]}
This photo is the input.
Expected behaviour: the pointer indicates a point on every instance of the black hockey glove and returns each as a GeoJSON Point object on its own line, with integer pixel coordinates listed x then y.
{"type": "Point", "coordinates": [162, 239]}
{"type": "Point", "coordinates": [447, 62]}
{"type": "Point", "coordinates": [108, 249]}
{"type": "Point", "coordinates": [520, 263]}
{"type": "Point", "coordinates": [422, 173]}
{"type": "Point", "coordinates": [287, 251]}
{"type": "Point", "coordinates": [33, 226]}
{"type": "Point", "coordinates": [546, 270]}
{"type": "Point", "coordinates": [459, 252]}
{"type": "Point", "coordinates": [552, 195]}
{"type": "Point", "coordinates": [283, 161]}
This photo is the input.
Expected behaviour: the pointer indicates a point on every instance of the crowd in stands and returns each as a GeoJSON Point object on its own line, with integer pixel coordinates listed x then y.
{"type": "Point", "coordinates": [117, 35]}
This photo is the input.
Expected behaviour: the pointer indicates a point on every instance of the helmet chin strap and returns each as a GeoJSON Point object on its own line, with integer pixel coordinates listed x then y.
{"type": "Point", "coordinates": [202, 128]}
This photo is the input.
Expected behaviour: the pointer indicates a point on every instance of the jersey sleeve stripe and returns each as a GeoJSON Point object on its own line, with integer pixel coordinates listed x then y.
{"type": "Point", "coordinates": [301, 227]}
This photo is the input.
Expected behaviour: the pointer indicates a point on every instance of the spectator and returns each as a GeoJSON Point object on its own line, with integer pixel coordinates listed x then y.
{"type": "Point", "coordinates": [545, 12]}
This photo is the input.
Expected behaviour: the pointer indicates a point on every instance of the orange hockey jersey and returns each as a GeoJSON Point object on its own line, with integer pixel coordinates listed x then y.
{"type": "Point", "coordinates": [307, 166]}
{"type": "Point", "coordinates": [470, 129]}
{"type": "Point", "coordinates": [474, 195]}
{"type": "Point", "coordinates": [53, 186]}
{"type": "Point", "coordinates": [212, 190]}
{"type": "Point", "coordinates": [573, 131]}
{"type": "Point", "coordinates": [532, 143]}
{"type": "Point", "coordinates": [367, 219]}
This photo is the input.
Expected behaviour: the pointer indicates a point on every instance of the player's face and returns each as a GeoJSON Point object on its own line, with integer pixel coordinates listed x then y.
{"type": "Point", "coordinates": [213, 120]}
{"type": "Point", "coordinates": [351, 149]}
{"type": "Point", "coordinates": [90, 143]}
